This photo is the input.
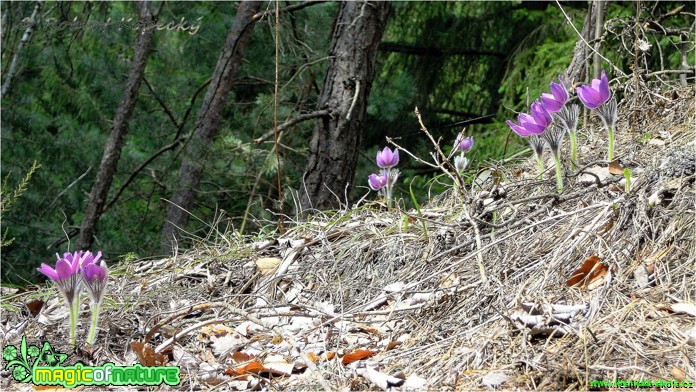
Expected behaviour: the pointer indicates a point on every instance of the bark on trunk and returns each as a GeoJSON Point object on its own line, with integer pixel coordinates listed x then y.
{"type": "Point", "coordinates": [333, 148]}
{"type": "Point", "coordinates": [207, 123]}
{"type": "Point", "coordinates": [119, 129]}
{"type": "Point", "coordinates": [598, 25]}
{"type": "Point", "coordinates": [577, 69]}
{"type": "Point", "coordinates": [25, 40]}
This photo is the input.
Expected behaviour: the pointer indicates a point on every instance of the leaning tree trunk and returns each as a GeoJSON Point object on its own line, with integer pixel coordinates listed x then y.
{"type": "Point", "coordinates": [334, 145]}
{"type": "Point", "coordinates": [207, 123]}
{"type": "Point", "coordinates": [119, 129]}
{"type": "Point", "coordinates": [15, 58]}
{"type": "Point", "coordinates": [579, 69]}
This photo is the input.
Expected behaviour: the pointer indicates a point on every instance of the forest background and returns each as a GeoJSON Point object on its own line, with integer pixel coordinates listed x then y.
{"type": "Point", "coordinates": [472, 64]}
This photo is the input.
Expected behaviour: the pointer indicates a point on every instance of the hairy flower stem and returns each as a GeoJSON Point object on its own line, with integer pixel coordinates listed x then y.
{"type": "Point", "coordinates": [540, 166]}
{"type": "Point", "coordinates": [573, 150]}
{"type": "Point", "coordinates": [74, 306]}
{"type": "Point", "coordinates": [95, 321]}
{"type": "Point", "coordinates": [611, 144]}
{"type": "Point", "coordinates": [559, 176]}
{"type": "Point", "coordinates": [388, 189]}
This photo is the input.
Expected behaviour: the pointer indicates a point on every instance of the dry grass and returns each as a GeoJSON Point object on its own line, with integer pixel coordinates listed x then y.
{"type": "Point", "coordinates": [367, 276]}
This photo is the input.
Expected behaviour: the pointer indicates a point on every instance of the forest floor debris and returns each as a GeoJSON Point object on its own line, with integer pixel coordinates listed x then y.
{"type": "Point", "coordinates": [593, 284]}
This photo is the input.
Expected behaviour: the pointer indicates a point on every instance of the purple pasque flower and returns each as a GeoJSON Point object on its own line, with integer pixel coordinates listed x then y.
{"type": "Point", "coordinates": [596, 94]}
{"type": "Point", "coordinates": [534, 124]}
{"type": "Point", "coordinates": [377, 181]}
{"type": "Point", "coordinates": [65, 274]}
{"type": "Point", "coordinates": [387, 158]}
{"type": "Point", "coordinates": [464, 144]}
{"type": "Point", "coordinates": [559, 96]}
{"type": "Point", "coordinates": [66, 277]}
{"type": "Point", "coordinates": [94, 276]}
{"type": "Point", "coordinates": [66, 267]}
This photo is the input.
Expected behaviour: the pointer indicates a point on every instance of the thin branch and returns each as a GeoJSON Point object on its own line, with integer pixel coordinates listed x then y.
{"type": "Point", "coordinates": [75, 231]}
{"type": "Point", "coordinates": [68, 187]}
{"type": "Point", "coordinates": [288, 124]}
{"type": "Point", "coordinates": [162, 104]}
{"type": "Point", "coordinates": [396, 47]}
{"type": "Point", "coordinates": [135, 172]}
{"type": "Point", "coordinates": [355, 99]}
{"type": "Point", "coordinates": [188, 110]}
{"type": "Point", "coordinates": [292, 8]}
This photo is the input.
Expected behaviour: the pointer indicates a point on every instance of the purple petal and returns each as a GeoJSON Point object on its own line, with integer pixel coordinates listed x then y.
{"type": "Point", "coordinates": [595, 84]}
{"type": "Point", "coordinates": [89, 271]}
{"type": "Point", "coordinates": [75, 266]}
{"type": "Point", "coordinates": [540, 115]}
{"type": "Point", "coordinates": [87, 259]}
{"type": "Point", "coordinates": [376, 181]}
{"type": "Point", "coordinates": [48, 271]}
{"type": "Point", "coordinates": [379, 159]}
{"type": "Point", "coordinates": [103, 271]}
{"type": "Point", "coordinates": [96, 271]}
{"type": "Point", "coordinates": [63, 269]}
{"type": "Point", "coordinates": [527, 122]}
{"type": "Point", "coordinates": [465, 143]}
{"type": "Point", "coordinates": [550, 103]}
{"type": "Point", "coordinates": [604, 92]}
{"type": "Point", "coordinates": [516, 128]}
{"type": "Point", "coordinates": [588, 96]}
{"type": "Point", "coordinates": [386, 158]}
{"type": "Point", "coordinates": [559, 92]}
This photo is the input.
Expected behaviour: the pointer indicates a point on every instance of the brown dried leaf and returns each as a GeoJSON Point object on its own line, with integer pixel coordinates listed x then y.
{"type": "Point", "coordinates": [606, 227]}
{"type": "Point", "coordinates": [240, 357]}
{"type": "Point", "coordinates": [356, 356]}
{"type": "Point", "coordinates": [216, 330]}
{"type": "Point", "coordinates": [677, 373]}
{"type": "Point", "coordinates": [277, 340]}
{"type": "Point", "coordinates": [313, 357]}
{"type": "Point", "coordinates": [615, 167]}
{"type": "Point", "coordinates": [365, 329]}
{"type": "Point", "coordinates": [253, 367]}
{"type": "Point", "coordinates": [589, 274]}
{"type": "Point", "coordinates": [35, 307]}
{"type": "Point", "coordinates": [267, 265]}
{"type": "Point", "coordinates": [650, 268]}
{"type": "Point", "coordinates": [147, 356]}
{"type": "Point", "coordinates": [392, 344]}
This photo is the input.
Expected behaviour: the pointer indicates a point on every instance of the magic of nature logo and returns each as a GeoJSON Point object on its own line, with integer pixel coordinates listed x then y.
{"type": "Point", "coordinates": [44, 366]}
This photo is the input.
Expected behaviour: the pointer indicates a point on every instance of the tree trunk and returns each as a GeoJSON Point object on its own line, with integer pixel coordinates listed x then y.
{"type": "Point", "coordinates": [25, 39]}
{"type": "Point", "coordinates": [578, 70]}
{"type": "Point", "coordinates": [334, 145]}
{"type": "Point", "coordinates": [119, 129]}
{"type": "Point", "coordinates": [207, 123]}
{"type": "Point", "coordinates": [599, 26]}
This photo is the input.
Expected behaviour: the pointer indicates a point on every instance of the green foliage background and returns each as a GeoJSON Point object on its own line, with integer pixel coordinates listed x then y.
{"type": "Point", "coordinates": [59, 110]}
